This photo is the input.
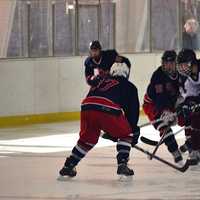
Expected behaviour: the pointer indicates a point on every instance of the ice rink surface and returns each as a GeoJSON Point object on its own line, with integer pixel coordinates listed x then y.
{"type": "Point", "coordinates": [31, 156]}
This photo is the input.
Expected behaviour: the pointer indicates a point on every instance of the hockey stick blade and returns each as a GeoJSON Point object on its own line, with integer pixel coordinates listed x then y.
{"type": "Point", "coordinates": [155, 143]}
{"type": "Point", "coordinates": [148, 141]}
{"type": "Point", "coordinates": [181, 169]}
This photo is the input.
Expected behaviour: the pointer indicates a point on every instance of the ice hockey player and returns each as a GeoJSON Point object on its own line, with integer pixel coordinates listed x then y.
{"type": "Point", "coordinates": [100, 61]}
{"type": "Point", "coordinates": [160, 100]}
{"type": "Point", "coordinates": [103, 109]}
{"type": "Point", "coordinates": [189, 111]}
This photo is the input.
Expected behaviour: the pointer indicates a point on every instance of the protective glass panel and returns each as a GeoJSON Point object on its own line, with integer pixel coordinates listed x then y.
{"type": "Point", "coordinates": [132, 26]}
{"type": "Point", "coordinates": [164, 24]}
{"type": "Point", "coordinates": [190, 10]}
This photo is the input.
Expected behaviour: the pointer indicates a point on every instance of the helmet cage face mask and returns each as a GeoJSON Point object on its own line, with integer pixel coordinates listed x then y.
{"type": "Point", "coordinates": [184, 69]}
{"type": "Point", "coordinates": [185, 60]}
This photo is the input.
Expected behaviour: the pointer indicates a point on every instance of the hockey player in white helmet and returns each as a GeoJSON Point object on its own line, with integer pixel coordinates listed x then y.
{"type": "Point", "coordinates": [121, 71]}
{"type": "Point", "coordinates": [111, 106]}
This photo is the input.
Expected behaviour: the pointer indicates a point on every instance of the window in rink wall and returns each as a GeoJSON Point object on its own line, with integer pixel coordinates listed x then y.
{"type": "Point", "coordinates": [107, 24]}
{"type": "Point", "coordinates": [39, 28]}
{"type": "Point", "coordinates": [87, 24]}
{"type": "Point", "coordinates": [18, 40]}
{"type": "Point", "coordinates": [95, 22]}
{"type": "Point", "coordinates": [190, 19]}
{"type": "Point", "coordinates": [132, 26]}
{"type": "Point", "coordinates": [63, 13]}
{"type": "Point", "coordinates": [164, 24]}
{"type": "Point", "coordinates": [42, 28]}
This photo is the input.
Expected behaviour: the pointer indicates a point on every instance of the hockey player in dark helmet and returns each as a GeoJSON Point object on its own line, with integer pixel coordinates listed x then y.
{"type": "Point", "coordinates": [169, 63]}
{"type": "Point", "coordinates": [186, 60]}
{"type": "Point", "coordinates": [100, 61]}
{"type": "Point", "coordinates": [160, 100]}
{"type": "Point", "coordinates": [188, 66]}
{"type": "Point", "coordinates": [95, 49]}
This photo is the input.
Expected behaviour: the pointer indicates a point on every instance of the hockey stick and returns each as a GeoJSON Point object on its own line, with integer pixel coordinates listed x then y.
{"type": "Point", "coordinates": [157, 146]}
{"type": "Point", "coordinates": [114, 139]}
{"type": "Point", "coordinates": [155, 121]}
{"type": "Point", "coordinates": [181, 169]}
{"type": "Point", "coordinates": [159, 119]}
{"type": "Point", "coordinates": [155, 143]}
{"type": "Point", "coordinates": [150, 123]}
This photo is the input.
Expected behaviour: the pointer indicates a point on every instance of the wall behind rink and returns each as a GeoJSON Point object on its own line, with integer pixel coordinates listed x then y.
{"type": "Point", "coordinates": [52, 85]}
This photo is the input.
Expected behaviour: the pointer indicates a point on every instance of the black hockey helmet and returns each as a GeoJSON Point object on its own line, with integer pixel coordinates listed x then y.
{"type": "Point", "coordinates": [169, 56]}
{"type": "Point", "coordinates": [169, 68]}
{"type": "Point", "coordinates": [186, 56]}
{"type": "Point", "coordinates": [95, 44]}
{"type": "Point", "coordinates": [185, 59]}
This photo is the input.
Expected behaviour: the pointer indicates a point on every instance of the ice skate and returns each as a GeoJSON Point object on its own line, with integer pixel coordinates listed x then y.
{"type": "Point", "coordinates": [194, 157]}
{"type": "Point", "coordinates": [68, 171]}
{"type": "Point", "coordinates": [178, 159]}
{"type": "Point", "coordinates": [185, 147]}
{"type": "Point", "coordinates": [124, 173]}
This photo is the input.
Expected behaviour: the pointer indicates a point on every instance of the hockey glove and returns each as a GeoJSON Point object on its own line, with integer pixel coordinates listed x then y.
{"type": "Point", "coordinates": [95, 80]}
{"type": "Point", "coordinates": [136, 135]}
{"type": "Point", "coordinates": [168, 118]}
{"type": "Point", "coordinates": [109, 137]}
{"type": "Point", "coordinates": [183, 112]}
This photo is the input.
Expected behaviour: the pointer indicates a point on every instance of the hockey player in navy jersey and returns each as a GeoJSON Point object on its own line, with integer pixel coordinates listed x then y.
{"type": "Point", "coordinates": [189, 111]}
{"type": "Point", "coordinates": [105, 108]}
{"type": "Point", "coordinates": [100, 61]}
{"type": "Point", "coordinates": [160, 100]}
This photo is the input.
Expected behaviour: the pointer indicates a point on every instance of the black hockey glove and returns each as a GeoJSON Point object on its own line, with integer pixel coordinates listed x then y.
{"type": "Point", "coordinates": [109, 137]}
{"type": "Point", "coordinates": [184, 111]}
{"type": "Point", "coordinates": [136, 135]}
{"type": "Point", "coordinates": [95, 80]}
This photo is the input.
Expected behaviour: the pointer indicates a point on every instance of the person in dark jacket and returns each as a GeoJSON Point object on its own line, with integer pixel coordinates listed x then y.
{"type": "Point", "coordinates": [100, 61]}
{"type": "Point", "coordinates": [190, 36]}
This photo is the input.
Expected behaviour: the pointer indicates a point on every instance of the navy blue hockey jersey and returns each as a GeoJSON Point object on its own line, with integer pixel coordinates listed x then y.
{"type": "Point", "coordinates": [162, 90]}
{"type": "Point", "coordinates": [114, 95]}
{"type": "Point", "coordinates": [107, 59]}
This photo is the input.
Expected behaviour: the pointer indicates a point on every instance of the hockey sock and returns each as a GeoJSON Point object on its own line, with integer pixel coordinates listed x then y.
{"type": "Point", "coordinates": [171, 143]}
{"type": "Point", "coordinates": [79, 152]}
{"type": "Point", "coordinates": [123, 149]}
{"type": "Point", "coordinates": [195, 136]}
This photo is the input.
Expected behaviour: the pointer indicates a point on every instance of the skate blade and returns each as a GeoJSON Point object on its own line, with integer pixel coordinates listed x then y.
{"type": "Point", "coordinates": [123, 178]}
{"type": "Point", "coordinates": [64, 178]}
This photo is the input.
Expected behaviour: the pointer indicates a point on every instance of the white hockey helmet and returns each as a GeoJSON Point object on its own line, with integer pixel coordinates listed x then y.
{"type": "Point", "coordinates": [120, 69]}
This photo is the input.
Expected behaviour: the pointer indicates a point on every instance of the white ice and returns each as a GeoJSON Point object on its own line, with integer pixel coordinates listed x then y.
{"type": "Point", "coordinates": [30, 158]}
